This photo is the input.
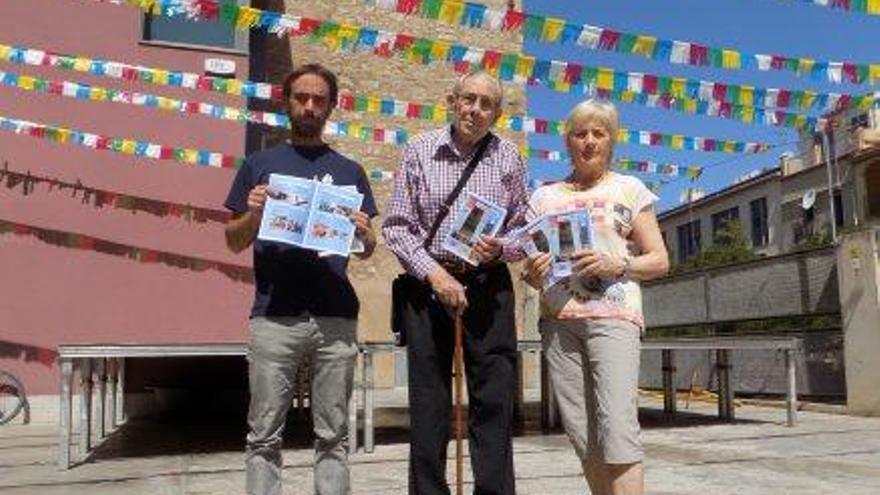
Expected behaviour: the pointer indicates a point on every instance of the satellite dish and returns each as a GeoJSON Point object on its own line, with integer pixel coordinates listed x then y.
{"type": "Point", "coordinates": [809, 199]}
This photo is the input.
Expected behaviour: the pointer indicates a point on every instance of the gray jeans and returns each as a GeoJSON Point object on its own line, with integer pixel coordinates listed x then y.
{"type": "Point", "coordinates": [278, 347]}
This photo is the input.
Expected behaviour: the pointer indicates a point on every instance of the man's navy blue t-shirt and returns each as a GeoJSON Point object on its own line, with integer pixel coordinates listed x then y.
{"type": "Point", "coordinates": [291, 281]}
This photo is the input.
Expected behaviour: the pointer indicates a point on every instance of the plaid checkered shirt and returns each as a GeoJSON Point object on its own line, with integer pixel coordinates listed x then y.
{"type": "Point", "coordinates": [430, 169]}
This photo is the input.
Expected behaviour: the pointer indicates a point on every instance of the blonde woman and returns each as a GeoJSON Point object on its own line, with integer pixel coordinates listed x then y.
{"type": "Point", "coordinates": [591, 322]}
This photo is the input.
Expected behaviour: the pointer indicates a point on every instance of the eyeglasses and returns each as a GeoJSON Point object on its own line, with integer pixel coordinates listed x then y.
{"type": "Point", "coordinates": [484, 103]}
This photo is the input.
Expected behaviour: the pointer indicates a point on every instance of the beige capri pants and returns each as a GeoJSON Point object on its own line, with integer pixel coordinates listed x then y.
{"type": "Point", "coordinates": [594, 370]}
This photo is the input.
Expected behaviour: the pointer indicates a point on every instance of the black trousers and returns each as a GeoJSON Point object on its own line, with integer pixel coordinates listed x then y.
{"type": "Point", "coordinates": [490, 366]}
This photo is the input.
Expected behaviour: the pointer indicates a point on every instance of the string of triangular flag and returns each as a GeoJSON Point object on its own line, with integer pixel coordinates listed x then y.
{"type": "Point", "coordinates": [124, 146]}
{"type": "Point", "coordinates": [74, 240]}
{"type": "Point", "coordinates": [628, 164]}
{"type": "Point", "coordinates": [101, 198]}
{"type": "Point", "coordinates": [870, 7]}
{"type": "Point", "coordinates": [535, 125]}
{"type": "Point", "coordinates": [347, 101]}
{"type": "Point", "coordinates": [546, 29]}
{"type": "Point", "coordinates": [565, 76]}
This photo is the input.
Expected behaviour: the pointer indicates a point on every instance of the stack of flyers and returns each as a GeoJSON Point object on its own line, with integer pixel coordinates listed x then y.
{"type": "Point", "coordinates": [571, 232]}
{"type": "Point", "coordinates": [476, 217]}
{"type": "Point", "coordinates": [561, 235]}
{"type": "Point", "coordinates": [310, 214]}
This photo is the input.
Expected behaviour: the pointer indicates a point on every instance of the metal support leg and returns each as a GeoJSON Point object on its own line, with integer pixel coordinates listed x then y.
{"type": "Point", "coordinates": [353, 413]}
{"type": "Point", "coordinates": [369, 403]}
{"type": "Point", "coordinates": [548, 401]}
{"type": "Point", "coordinates": [111, 393]}
{"type": "Point", "coordinates": [791, 393]}
{"type": "Point", "coordinates": [120, 391]}
{"type": "Point", "coordinates": [669, 392]}
{"type": "Point", "coordinates": [66, 423]}
{"type": "Point", "coordinates": [725, 389]}
{"type": "Point", "coordinates": [85, 407]}
{"type": "Point", "coordinates": [352, 420]}
{"type": "Point", "coordinates": [100, 380]}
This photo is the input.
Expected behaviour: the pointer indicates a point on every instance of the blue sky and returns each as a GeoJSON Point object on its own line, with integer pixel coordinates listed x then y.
{"type": "Point", "coordinates": [755, 26]}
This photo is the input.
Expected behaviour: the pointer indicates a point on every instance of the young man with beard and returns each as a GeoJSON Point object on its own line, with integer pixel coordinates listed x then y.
{"type": "Point", "coordinates": [305, 309]}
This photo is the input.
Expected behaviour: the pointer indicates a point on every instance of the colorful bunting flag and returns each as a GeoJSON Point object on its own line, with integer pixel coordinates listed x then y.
{"type": "Point", "coordinates": [557, 30]}
{"type": "Point", "coordinates": [559, 75]}
{"type": "Point", "coordinates": [101, 198]}
{"type": "Point", "coordinates": [143, 255]}
{"type": "Point", "coordinates": [346, 102]}
{"type": "Point", "coordinates": [123, 146]}
{"type": "Point", "coordinates": [627, 164]}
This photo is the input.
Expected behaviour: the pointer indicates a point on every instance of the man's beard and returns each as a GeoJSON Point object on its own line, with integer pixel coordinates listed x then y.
{"type": "Point", "coordinates": [307, 127]}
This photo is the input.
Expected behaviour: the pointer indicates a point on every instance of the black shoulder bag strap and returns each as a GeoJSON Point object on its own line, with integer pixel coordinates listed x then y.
{"type": "Point", "coordinates": [453, 195]}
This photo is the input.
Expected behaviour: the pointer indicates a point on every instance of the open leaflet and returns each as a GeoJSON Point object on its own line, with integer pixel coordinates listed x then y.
{"type": "Point", "coordinates": [310, 214]}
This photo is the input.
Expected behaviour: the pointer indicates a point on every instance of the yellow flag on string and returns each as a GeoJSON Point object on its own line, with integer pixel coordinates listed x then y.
{"type": "Point", "coordinates": [747, 96]}
{"type": "Point", "coordinates": [98, 94]}
{"type": "Point", "coordinates": [441, 113]}
{"type": "Point", "coordinates": [808, 100]}
{"type": "Point", "coordinates": [605, 79]}
{"type": "Point", "coordinates": [805, 65]}
{"type": "Point", "coordinates": [81, 64]}
{"type": "Point", "coordinates": [563, 86]}
{"type": "Point", "coordinates": [644, 45]}
{"type": "Point", "coordinates": [874, 71]}
{"type": "Point", "coordinates": [622, 136]}
{"type": "Point", "coordinates": [128, 147]}
{"type": "Point", "coordinates": [677, 142]}
{"type": "Point", "coordinates": [552, 29]}
{"type": "Point", "coordinates": [525, 66]}
{"type": "Point", "coordinates": [4, 51]}
{"type": "Point", "coordinates": [190, 155]}
{"type": "Point", "coordinates": [165, 103]}
{"type": "Point", "coordinates": [26, 82]}
{"type": "Point", "coordinates": [731, 59]}
{"type": "Point", "coordinates": [160, 76]}
{"type": "Point", "coordinates": [439, 50]}
{"type": "Point", "coordinates": [374, 104]}
{"type": "Point", "coordinates": [63, 135]}
{"type": "Point", "coordinates": [729, 146]}
{"type": "Point", "coordinates": [690, 105]}
{"type": "Point", "coordinates": [873, 6]}
{"type": "Point", "coordinates": [678, 87]}
{"type": "Point", "coordinates": [230, 113]}
{"type": "Point", "coordinates": [247, 18]}
{"type": "Point", "coordinates": [348, 34]}
{"type": "Point", "coordinates": [451, 11]}
{"type": "Point", "coordinates": [233, 87]}
{"type": "Point", "coordinates": [628, 96]}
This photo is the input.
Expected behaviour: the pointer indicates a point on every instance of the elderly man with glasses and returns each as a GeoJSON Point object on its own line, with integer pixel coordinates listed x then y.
{"type": "Point", "coordinates": [443, 286]}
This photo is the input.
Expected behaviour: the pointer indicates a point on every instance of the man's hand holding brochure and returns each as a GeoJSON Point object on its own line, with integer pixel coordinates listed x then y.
{"type": "Point", "coordinates": [311, 215]}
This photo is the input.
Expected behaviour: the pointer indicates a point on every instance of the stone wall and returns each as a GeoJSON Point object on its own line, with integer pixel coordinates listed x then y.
{"type": "Point", "coordinates": [365, 73]}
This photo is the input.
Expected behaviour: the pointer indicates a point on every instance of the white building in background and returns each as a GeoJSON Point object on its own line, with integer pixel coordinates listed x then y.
{"type": "Point", "coordinates": [788, 205]}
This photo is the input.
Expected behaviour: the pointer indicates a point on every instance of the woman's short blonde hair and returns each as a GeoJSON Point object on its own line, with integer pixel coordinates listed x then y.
{"type": "Point", "coordinates": [601, 111]}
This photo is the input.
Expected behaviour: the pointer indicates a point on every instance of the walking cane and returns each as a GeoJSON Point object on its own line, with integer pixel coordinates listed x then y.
{"type": "Point", "coordinates": [457, 365]}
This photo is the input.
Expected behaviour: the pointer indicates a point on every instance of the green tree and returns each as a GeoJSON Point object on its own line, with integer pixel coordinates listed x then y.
{"type": "Point", "coordinates": [731, 246]}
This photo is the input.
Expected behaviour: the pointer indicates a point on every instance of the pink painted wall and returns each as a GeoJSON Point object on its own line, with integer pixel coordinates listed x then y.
{"type": "Point", "coordinates": [51, 295]}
